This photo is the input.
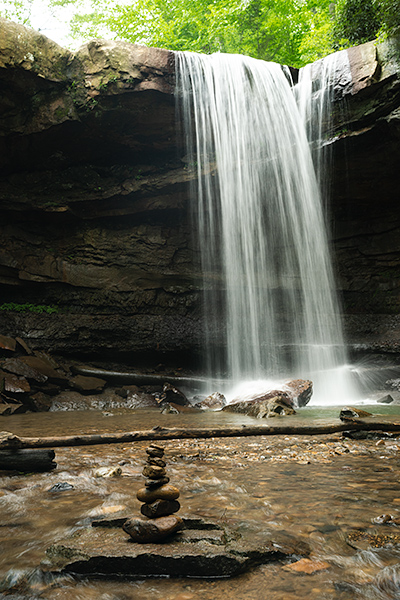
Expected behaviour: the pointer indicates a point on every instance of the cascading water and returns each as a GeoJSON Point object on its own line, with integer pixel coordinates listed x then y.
{"type": "Point", "coordinates": [269, 286]}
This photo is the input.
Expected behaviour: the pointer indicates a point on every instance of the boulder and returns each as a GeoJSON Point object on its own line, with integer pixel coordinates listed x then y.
{"type": "Point", "coordinates": [299, 391]}
{"type": "Point", "coordinates": [19, 367]}
{"type": "Point", "coordinates": [7, 343]}
{"type": "Point", "coordinates": [87, 385]}
{"type": "Point", "coordinates": [108, 472]}
{"type": "Point", "coordinates": [152, 531]}
{"type": "Point", "coordinates": [13, 384]}
{"type": "Point", "coordinates": [267, 405]}
{"type": "Point", "coordinates": [44, 368]}
{"type": "Point", "coordinates": [351, 412]}
{"type": "Point", "coordinates": [388, 399]}
{"type": "Point", "coordinates": [214, 401]}
{"type": "Point", "coordinates": [171, 394]}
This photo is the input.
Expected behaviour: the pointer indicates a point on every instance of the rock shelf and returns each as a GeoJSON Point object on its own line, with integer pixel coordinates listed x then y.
{"type": "Point", "coordinates": [201, 549]}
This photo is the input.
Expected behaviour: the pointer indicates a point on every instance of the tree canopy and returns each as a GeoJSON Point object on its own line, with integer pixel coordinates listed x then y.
{"type": "Point", "coordinates": [292, 32]}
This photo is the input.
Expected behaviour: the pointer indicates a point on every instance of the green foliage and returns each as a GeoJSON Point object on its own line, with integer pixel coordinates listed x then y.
{"type": "Point", "coordinates": [287, 31]}
{"type": "Point", "coordinates": [356, 21]}
{"type": "Point", "coordinates": [27, 307]}
{"type": "Point", "coordinates": [390, 15]}
{"type": "Point", "coordinates": [292, 32]}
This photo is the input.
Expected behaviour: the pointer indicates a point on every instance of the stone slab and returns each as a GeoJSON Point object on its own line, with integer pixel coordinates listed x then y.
{"type": "Point", "coordinates": [200, 550]}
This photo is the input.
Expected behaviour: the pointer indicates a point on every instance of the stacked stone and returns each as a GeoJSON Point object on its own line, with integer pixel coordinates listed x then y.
{"type": "Point", "coordinates": [159, 503]}
{"type": "Point", "coordinates": [159, 498]}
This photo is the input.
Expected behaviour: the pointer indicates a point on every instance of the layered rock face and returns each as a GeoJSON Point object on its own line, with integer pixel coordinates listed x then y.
{"type": "Point", "coordinates": [94, 211]}
{"type": "Point", "coordinates": [365, 194]}
{"type": "Point", "coordinates": [93, 198]}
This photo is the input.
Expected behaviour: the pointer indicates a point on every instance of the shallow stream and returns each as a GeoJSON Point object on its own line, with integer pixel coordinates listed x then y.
{"type": "Point", "coordinates": [324, 490]}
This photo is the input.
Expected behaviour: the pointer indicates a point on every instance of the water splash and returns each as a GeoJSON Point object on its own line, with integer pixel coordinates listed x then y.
{"type": "Point", "coordinates": [271, 306]}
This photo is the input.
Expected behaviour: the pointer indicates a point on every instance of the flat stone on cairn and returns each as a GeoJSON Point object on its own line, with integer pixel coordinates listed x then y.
{"type": "Point", "coordinates": [159, 502]}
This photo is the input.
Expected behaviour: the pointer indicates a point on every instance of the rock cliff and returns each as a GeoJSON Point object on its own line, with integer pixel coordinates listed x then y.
{"type": "Point", "coordinates": [93, 199]}
{"type": "Point", "coordinates": [365, 193]}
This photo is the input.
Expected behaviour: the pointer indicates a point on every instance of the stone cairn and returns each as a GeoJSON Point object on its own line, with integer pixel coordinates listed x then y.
{"type": "Point", "coordinates": [159, 502]}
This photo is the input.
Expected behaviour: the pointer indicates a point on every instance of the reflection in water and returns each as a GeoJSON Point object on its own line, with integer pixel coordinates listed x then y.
{"type": "Point", "coordinates": [320, 490]}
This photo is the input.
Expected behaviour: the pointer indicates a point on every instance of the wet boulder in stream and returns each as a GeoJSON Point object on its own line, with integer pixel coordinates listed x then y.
{"type": "Point", "coordinates": [299, 391]}
{"type": "Point", "coordinates": [268, 405]}
{"type": "Point", "coordinates": [172, 394]}
{"type": "Point", "coordinates": [214, 401]}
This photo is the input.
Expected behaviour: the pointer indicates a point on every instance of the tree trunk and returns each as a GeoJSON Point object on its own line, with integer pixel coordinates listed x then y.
{"type": "Point", "coordinates": [378, 423]}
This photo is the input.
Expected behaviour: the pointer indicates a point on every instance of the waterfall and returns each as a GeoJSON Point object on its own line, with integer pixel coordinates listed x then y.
{"type": "Point", "coordinates": [270, 303]}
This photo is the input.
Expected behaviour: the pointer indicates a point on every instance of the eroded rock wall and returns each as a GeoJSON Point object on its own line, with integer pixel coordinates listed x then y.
{"type": "Point", "coordinates": [93, 198]}
{"type": "Point", "coordinates": [366, 195]}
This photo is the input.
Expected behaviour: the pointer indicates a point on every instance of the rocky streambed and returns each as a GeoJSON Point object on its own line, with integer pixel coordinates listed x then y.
{"type": "Point", "coordinates": [333, 500]}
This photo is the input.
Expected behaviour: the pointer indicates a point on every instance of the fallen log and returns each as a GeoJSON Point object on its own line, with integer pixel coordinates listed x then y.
{"type": "Point", "coordinates": [27, 460]}
{"type": "Point", "coordinates": [137, 378]}
{"type": "Point", "coordinates": [8, 440]}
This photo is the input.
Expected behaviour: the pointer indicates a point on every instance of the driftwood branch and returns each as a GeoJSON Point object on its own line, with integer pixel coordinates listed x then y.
{"type": "Point", "coordinates": [8, 440]}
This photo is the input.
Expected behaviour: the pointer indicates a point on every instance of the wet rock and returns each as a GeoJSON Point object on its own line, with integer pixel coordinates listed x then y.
{"type": "Point", "coordinates": [62, 486]}
{"type": "Point", "coordinates": [351, 412]}
{"type": "Point", "coordinates": [172, 394]}
{"type": "Point", "coordinates": [153, 472]}
{"type": "Point", "coordinates": [214, 401]}
{"type": "Point", "coordinates": [307, 566]}
{"type": "Point", "coordinates": [145, 532]}
{"type": "Point", "coordinates": [386, 519]}
{"type": "Point", "coordinates": [14, 384]}
{"type": "Point", "coordinates": [386, 399]}
{"type": "Point", "coordinates": [158, 462]}
{"type": "Point", "coordinates": [108, 472]}
{"type": "Point", "coordinates": [7, 343]}
{"type": "Point", "coordinates": [44, 368]}
{"type": "Point", "coordinates": [160, 508]}
{"type": "Point", "coordinates": [87, 385]}
{"type": "Point", "coordinates": [382, 519]}
{"type": "Point", "coordinates": [18, 367]}
{"type": "Point", "coordinates": [199, 550]}
{"type": "Point", "coordinates": [269, 405]}
{"type": "Point", "coordinates": [299, 391]}
{"type": "Point", "coordinates": [164, 492]}
{"type": "Point", "coordinates": [152, 484]}
{"type": "Point", "coordinates": [156, 451]}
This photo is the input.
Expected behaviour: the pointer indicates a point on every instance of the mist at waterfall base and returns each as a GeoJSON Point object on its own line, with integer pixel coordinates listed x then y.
{"type": "Point", "coordinates": [252, 141]}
